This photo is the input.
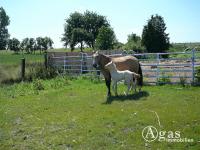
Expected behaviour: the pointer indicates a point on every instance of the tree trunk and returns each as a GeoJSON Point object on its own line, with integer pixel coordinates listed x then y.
{"type": "Point", "coordinates": [81, 46]}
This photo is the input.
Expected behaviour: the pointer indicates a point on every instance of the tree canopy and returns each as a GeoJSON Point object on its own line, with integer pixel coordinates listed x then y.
{"type": "Point", "coordinates": [40, 43]}
{"type": "Point", "coordinates": [4, 22]}
{"type": "Point", "coordinates": [154, 37]}
{"type": "Point", "coordinates": [83, 29]}
{"type": "Point", "coordinates": [14, 45]}
{"type": "Point", "coordinates": [105, 39]}
{"type": "Point", "coordinates": [133, 43]}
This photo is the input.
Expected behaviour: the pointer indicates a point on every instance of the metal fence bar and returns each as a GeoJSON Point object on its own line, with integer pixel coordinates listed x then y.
{"type": "Point", "coordinates": [158, 69]}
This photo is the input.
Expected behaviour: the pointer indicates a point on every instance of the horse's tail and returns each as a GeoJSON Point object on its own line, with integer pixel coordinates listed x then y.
{"type": "Point", "coordinates": [140, 81]}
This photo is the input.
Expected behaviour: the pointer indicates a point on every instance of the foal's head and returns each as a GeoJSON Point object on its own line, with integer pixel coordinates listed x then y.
{"type": "Point", "coordinates": [110, 66]}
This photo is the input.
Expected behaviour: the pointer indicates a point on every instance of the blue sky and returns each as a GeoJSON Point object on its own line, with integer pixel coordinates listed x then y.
{"type": "Point", "coordinates": [33, 18]}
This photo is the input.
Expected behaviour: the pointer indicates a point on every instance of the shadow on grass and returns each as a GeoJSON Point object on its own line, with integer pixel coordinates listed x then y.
{"type": "Point", "coordinates": [10, 81]}
{"type": "Point", "coordinates": [135, 96]}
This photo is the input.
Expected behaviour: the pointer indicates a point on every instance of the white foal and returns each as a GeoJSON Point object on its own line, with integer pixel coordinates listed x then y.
{"type": "Point", "coordinates": [125, 75]}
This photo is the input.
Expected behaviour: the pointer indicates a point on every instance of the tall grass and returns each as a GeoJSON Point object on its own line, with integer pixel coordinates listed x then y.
{"type": "Point", "coordinates": [10, 64]}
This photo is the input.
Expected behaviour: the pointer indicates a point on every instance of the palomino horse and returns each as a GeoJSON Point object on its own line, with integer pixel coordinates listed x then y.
{"type": "Point", "coordinates": [125, 75]}
{"type": "Point", "coordinates": [130, 63]}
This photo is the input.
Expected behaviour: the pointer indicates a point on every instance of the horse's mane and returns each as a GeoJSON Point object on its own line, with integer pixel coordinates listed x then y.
{"type": "Point", "coordinates": [107, 57]}
{"type": "Point", "coordinates": [104, 60]}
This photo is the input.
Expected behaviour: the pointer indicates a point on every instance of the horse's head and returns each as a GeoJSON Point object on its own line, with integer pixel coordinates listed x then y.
{"type": "Point", "coordinates": [96, 60]}
{"type": "Point", "coordinates": [99, 60]}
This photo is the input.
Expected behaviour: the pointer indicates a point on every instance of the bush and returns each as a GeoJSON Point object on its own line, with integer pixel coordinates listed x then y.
{"type": "Point", "coordinates": [197, 75]}
{"type": "Point", "coordinates": [37, 85]}
{"type": "Point", "coordinates": [38, 71]}
{"type": "Point", "coordinates": [183, 81]}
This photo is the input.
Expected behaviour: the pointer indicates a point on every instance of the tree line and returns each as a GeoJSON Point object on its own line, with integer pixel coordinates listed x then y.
{"type": "Point", "coordinates": [30, 45]}
{"type": "Point", "coordinates": [92, 30]}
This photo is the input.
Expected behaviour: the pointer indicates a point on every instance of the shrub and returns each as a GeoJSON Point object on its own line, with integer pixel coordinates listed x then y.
{"type": "Point", "coordinates": [197, 75]}
{"type": "Point", "coordinates": [37, 85]}
{"type": "Point", "coordinates": [38, 71]}
{"type": "Point", "coordinates": [182, 81]}
{"type": "Point", "coordinates": [164, 79]}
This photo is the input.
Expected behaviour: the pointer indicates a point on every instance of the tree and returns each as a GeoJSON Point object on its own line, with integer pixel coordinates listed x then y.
{"type": "Point", "coordinates": [105, 39]}
{"type": "Point", "coordinates": [86, 25]}
{"type": "Point", "coordinates": [75, 20]}
{"type": "Point", "coordinates": [133, 43]}
{"type": "Point", "coordinates": [31, 45]}
{"type": "Point", "coordinates": [4, 22]}
{"type": "Point", "coordinates": [46, 43]}
{"type": "Point", "coordinates": [24, 44]}
{"type": "Point", "coordinates": [14, 45]}
{"type": "Point", "coordinates": [118, 45]}
{"type": "Point", "coordinates": [92, 23]}
{"type": "Point", "coordinates": [49, 43]}
{"type": "Point", "coordinates": [154, 37]}
{"type": "Point", "coordinates": [79, 36]}
{"type": "Point", "coordinates": [39, 43]}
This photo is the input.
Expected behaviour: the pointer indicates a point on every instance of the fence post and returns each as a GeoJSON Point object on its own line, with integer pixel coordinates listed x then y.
{"type": "Point", "coordinates": [22, 69]}
{"type": "Point", "coordinates": [45, 60]}
{"type": "Point", "coordinates": [158, 69]}
{"type": "Point", "coordinates": [81, 62]}
{"type": "Point", "coordinates": [193, 65]}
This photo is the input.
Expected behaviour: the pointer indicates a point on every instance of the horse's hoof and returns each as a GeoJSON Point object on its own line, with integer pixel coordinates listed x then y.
{"type": "Point", "coordinates": [108, 95]}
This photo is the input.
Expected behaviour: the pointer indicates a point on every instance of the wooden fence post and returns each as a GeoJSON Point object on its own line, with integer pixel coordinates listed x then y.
{"type": "Point", "coordinates": [45, 60]}
{"type": "Point", "coordinates": [81, 63]}
{"type": "Point", "coordinates": [22, 69]}
{"type": "Point", "coordinates": [64, 64]}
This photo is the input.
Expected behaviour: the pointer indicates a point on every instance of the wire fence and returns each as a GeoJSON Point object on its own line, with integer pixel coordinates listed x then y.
{"type": "Point", "coordinates": [157, 68]}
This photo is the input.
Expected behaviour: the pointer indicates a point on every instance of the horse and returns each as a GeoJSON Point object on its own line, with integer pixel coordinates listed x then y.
{"type": "Point", "coordinates": [130, 63]}
{"type": "Point", "coordinates": [125, 75]}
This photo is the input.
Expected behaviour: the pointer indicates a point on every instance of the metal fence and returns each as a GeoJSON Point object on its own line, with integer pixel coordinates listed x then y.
{"type": "Point", "coordinates": [177, 67]}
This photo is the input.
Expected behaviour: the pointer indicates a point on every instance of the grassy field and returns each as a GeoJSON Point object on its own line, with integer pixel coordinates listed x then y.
{"type": "Point", "coordinates": [10, 64]}
{"type": "Point", "coordinates": [65, 113]}
{"type": "Point", "coordinates": [10, 58]}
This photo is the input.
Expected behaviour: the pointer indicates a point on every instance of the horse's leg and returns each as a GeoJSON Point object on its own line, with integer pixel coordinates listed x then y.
{"type": "Point", "coordinates": [116, 88]}
{"type": "Point", "coordinates": [107, 77]}
{"type": "Point", "coordinates": [108, 82]}
{"type": "Point", "coordinates": [128, 87]}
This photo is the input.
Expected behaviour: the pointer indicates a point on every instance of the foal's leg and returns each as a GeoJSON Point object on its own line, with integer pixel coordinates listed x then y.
{"type": "Point", "coordinates": [128, 87]}
{"type": "Point", "coordinates": [113, 86]}
{"type": "Point", "coordinates": [135, 82]}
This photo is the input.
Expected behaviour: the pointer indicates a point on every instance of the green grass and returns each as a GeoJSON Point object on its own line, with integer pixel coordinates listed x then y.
{"type": "Point", "coordinates": [10, 63]}
{"type": "Point", "coordinates": [11, 58]}
{"type": "Point", "coordinates": [75, 113]}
